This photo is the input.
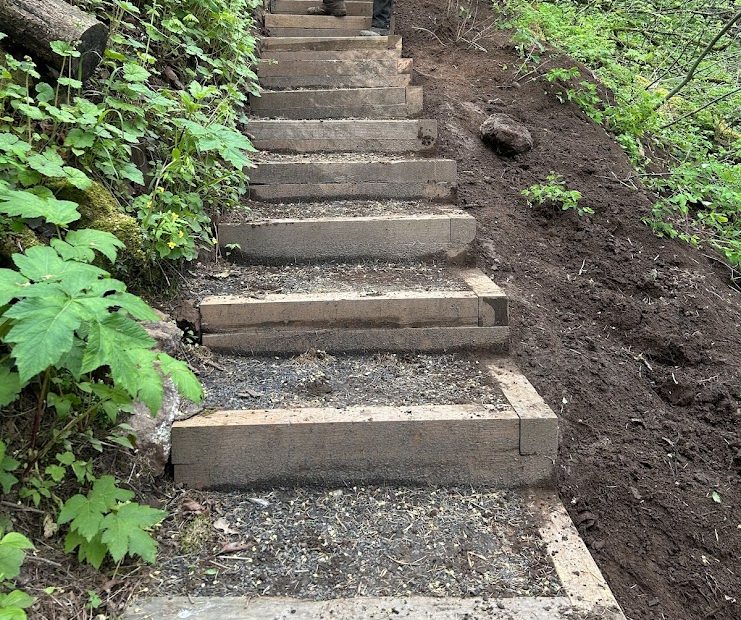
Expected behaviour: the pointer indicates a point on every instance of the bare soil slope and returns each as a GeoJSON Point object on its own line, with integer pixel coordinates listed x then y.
{"type": "Point", "coordinates": [632, 339]}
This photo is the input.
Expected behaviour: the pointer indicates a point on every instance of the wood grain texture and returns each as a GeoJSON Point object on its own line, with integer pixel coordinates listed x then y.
{"type": "Point", "coordinates": [446, 444]}
{"type": "Point", "coordinates": [347, 309]}
{"type": "Point", "coordinates": [387, 237]}
{"type": "Point", "coordinates": [349, 340]}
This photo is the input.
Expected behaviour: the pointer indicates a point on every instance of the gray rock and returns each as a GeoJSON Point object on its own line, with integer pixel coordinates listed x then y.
{"type": "Point", "coordinates": [506, 135]}
{"type": "Point", "coordinates": [166, 332]}
{"type": "Point", "coordinates": [153, 433]}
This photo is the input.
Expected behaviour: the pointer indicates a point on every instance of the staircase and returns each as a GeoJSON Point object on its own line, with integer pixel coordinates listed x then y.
{"type": "Point", "coordinates": [348, 179]}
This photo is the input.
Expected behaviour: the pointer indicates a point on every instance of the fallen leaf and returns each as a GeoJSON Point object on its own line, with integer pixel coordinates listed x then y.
{"type": "Point", "coordinates": [259, 501]}
{"type": "Point", "coordinates": [50, 527]}
{"type": "Point", "coordinates": [190, 505]}
{"type": "Point", "coordinates": [716, 497]}
{"type": "Point", "coordinates": [233, 547]}
{"type": "Point", "coordinates": [223, 526]}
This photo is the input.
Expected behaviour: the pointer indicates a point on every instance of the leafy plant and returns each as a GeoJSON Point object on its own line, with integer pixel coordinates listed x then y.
{"type": "Point", "coordinates": [555, 192]}
{"type": "Point", "coordinates": [672, 89]}
{"type": "Point", "coordinates": [105, 522]}
{"type": "Point", "coordinates": [13, 602]}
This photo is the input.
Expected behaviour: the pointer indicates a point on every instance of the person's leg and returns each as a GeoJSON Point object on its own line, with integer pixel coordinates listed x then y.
{"type": "Point", "coordinates": [329, 7]}
{"type": "Point", "coordinates": [382, 13]}
{"type": "Point", "coordinates": [381, 19]}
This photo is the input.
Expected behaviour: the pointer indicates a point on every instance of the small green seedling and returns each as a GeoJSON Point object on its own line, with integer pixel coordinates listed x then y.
{"type": "Point", "coordinates": [555, 192]}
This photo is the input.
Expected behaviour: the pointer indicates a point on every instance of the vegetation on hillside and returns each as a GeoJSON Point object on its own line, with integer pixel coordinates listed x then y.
{"type": "Point", "coordinates": [672, 98]}
{"type": "Point", "coordinates": [116, 176]}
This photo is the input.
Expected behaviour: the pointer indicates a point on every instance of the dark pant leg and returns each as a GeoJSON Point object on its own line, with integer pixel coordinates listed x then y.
{"type": "Point", "coordinates": [382, 13]}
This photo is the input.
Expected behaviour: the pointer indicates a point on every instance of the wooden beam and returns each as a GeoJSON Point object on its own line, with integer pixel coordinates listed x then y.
{"type": "Point", "coordinates": [32, 25]}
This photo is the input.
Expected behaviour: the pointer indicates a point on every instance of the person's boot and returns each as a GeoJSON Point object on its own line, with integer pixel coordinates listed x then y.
{"type": "Point", "coordinates": [375, 32]}
{"type": "Point", "coordinates": [336, 8]}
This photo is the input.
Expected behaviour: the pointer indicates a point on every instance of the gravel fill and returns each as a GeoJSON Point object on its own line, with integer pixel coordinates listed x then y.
{"type": "Point", "coordinates": [317, 379]}
{"type": "Point", "coordinates": [373, 277]}
{"type": "Point", "coordinates": [319, 157]}
{"type": "Point", "coordinates": [361, 541]}
{"type": "Point", "coordinates": [252, 211]}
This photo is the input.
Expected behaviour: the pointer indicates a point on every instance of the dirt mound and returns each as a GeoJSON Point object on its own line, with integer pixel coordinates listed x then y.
{"type": "Point", "coordinates": [633, 340]}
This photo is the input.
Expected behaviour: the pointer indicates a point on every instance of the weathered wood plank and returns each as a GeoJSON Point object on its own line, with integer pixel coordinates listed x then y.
{"type": "Point", "coordinates": [274, 44]}
{"type": "Point", "coordinates": [328, 67]}
{"type": "Point", "coordinates": [317, 22]}
{"type": "Point", "coordinates": [347, 309]}
{"type": "Point", "coordinates": [314, 32]}
{"type": "Point", "coordinates": [389, 237]}
{"type": "Point", "coordinates": [293, 192]}
{"type": "Point", "coordinates": [393, 102]}
{"type": "Point", "coordinates": [441, 444]}
{"type": "Point", "coordinates": [399, 171]}
{"type": "Point", "coordinates": [359, 80]}
{"type": "Point", "coordinates": [337, 55]}
{"type": "Point", "coordinates": [384, 608]}
{"type": "Point", "coordinates": [379, 136]}
{"type": "Point", "coordinates": [346, 340]}
{"type": "Point", "coordinates": [493, 303]}
{"type": "Point", "coordinates": [300, 7]}
{"type": "Point", "coordinates": [538, 423]}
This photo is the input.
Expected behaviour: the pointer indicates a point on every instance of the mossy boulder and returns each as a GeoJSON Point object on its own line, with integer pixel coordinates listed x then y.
{"type": "Point", "coordinates": [99, 209]}
{"type": "Point", "coordinates": [12, 242]}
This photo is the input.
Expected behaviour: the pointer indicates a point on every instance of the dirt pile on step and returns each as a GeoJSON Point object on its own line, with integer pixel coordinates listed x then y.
{"type": "Point", "coordinates": [632, 339]}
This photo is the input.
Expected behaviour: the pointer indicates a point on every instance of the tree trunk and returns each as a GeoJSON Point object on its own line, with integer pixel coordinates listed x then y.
{"type": "Point", "coordinates": [32, 25]}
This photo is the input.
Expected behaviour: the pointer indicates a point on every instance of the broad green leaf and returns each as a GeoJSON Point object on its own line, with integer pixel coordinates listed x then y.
{"type": "Point", "coordinates": [131, 172]}
{"type": "Point", "coordinates": [49, 163]}
{"type": "Point", "coordinates": [77, 178]}
{"type": "Point", "coordinates": [10, 387]}
{"type": "Point", "coordinates": [43, 264]}
{"type": "Point", "coordinates": [12, 285]}
{"type": "Point", "coordinates": [182, 376]}
{"type": "Point", "coordinates": [135, 73]}
{"type": "Point", "coordinates": [135, 306]}
{"type": "Point", "coordinates": [125, 531]}
{"type": "Point", "coordinates": [151, 391]}
{"type": "Point", "coordinates": [93, 552]}
{"type": "Point", "coordinates": [64, 49]}
{"type": "Point", "coordinates": [17, 598]}
{"type": "Point", "coordinates": [104, 242]}
{"type": "Point", "coordinates": [79, 139]}
{"type": "Point", "coordinates": [12, 552]}
{"type": "Point", "coordinates": [42, 333]}
{"type": "Point", "coordinates": [25, 204]}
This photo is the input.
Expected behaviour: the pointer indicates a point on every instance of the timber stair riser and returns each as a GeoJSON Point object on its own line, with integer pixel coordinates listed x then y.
{"type": "Point", "coordinates": [291, 74]}
{"type": "Point", "coordinates": [286, 341]}
{"type": "Point", "coordinates": [315, 25]}
{"type": "Point", "coordinates": [300, 7]}
{"type": "Point", "coordinates": [385, 102]}
{"type": "Point", "coordinates": [338, 45]}
{"type": "Point", "coordinates": [434, 179]}
{"type": "Point", "coordinates": [400, 136]}
{"type": "Point", "coordinates": [383, 237]}
{"type": "Point", "coordinates": [443, 444]}
{"type": "Point", "coordinates": [478, 302]}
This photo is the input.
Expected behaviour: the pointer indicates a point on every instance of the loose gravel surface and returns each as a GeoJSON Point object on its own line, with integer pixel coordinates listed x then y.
{"type": "Point", "coordinates": [361, 541]}
{"type": "Point", "coordinates": [225, 278]}
{"type": "Point", "coordinates": [317, 379]}
{"type": "Point", "coordinates": [255, 211]}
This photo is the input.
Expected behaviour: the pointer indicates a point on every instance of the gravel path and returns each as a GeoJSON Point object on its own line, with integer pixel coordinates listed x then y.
{"type": "Point", "coordinates": [317, 379]}
{"type": "Point", "coordinates": [252, 211]}
{"type": "Point", "coordinates": [368, 541]}
{"type": "Point", "coordinates": [226, 278]}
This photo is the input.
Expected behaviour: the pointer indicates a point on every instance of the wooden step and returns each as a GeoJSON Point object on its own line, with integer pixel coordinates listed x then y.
{"type": "Point", "coordinates": [324, 44]}
{"type": "Point", "coordinates": [332, 177]}
{"type": "Point", "coordinates": [300, 7]}
{"type": "Point", "coordinates": [315, 25]}
{"type": "Point", "coordinates": [477, 444]}
{"type": "Point", "coordinates": [391, 102]}
{"type": "Point", "coordinates": [469, 298]}
{"type": "Point", "coordinates": [390, 237]}
{"type": "Point", "coordinates": [380, 136]}
{"type": "Point", "coordinates": [383, 53]}
{"type": "Point", "coordinates": [291, 74]}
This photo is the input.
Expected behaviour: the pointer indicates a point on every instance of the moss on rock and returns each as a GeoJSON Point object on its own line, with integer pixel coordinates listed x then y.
{"type": "Point", "coordinates": [12, 242]}
{"type": "Point", "coordinates": [99, 209]}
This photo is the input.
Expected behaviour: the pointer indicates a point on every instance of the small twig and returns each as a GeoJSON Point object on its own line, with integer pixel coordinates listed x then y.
{"type": "Point", "coordinates": [430, 32]}
{"type": "Point", "coordinates": [21, 507]}
{"type": "Point", "coordinates": [701, 108]}
{"type": "Point", "coordinates": [214, 365]}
